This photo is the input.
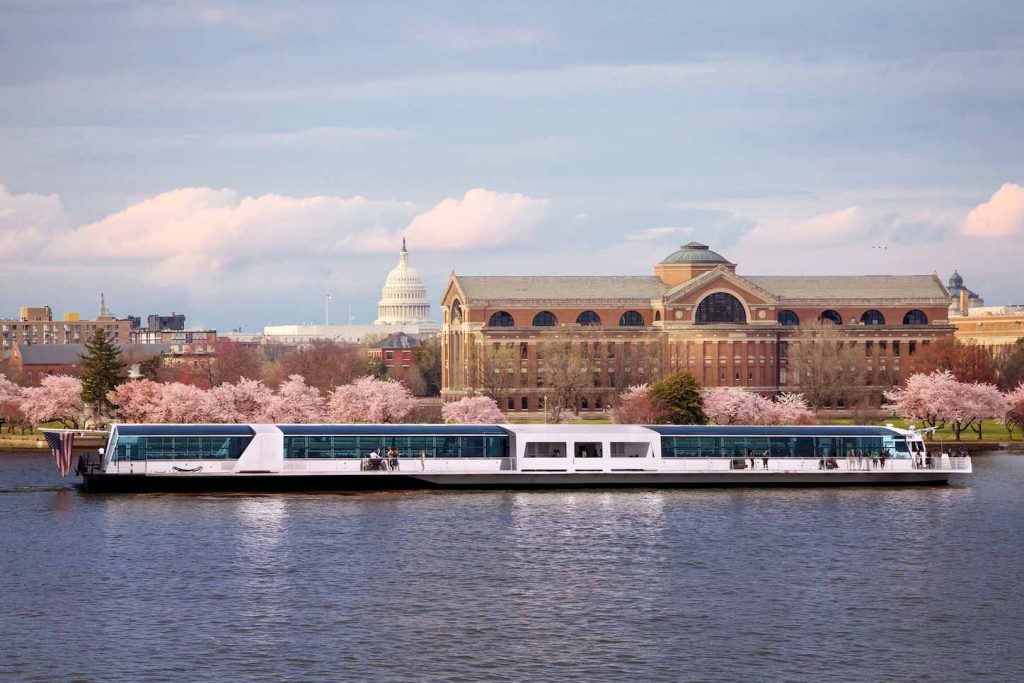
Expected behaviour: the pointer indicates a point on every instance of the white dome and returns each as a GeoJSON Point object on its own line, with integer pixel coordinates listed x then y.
{"type": "Point", "coordinates": [403, 300]}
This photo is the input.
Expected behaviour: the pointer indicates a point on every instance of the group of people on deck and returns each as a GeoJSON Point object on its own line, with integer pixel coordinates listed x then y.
{"type": "Point", "coordinates": [390, 459]}
{"type": "Point", "coordinates": [863, 460]}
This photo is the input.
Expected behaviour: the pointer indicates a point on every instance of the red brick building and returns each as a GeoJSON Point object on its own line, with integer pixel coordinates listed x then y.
{"type": "Point", "coordinates": [396, 353]}
{"type": "Point", "coordinates": [696, 313]}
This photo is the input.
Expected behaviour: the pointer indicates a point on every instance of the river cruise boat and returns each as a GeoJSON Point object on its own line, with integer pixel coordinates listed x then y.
{"type": "Point", "coordinates": [320, 457]}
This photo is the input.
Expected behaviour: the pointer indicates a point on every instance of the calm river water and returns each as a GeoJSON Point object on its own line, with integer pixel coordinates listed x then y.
{"type": "Point", "coordinates": [802, 584]}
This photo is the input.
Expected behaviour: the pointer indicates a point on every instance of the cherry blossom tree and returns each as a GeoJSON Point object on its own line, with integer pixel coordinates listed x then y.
{"type": "Point", "coordinates": [181, 404]}
{"type": "Point", "coordinates": [791, 409]}
{"type": "Point", "coordinates": [1014, 416]}
{"type": "Point", "coordinates": [635, 406]}
{"type": "Point", "coordinates": [731, 405]}
{"type": "Point", "coordinates": [368, 399]}
{"type": "Point", "coordinates": [932, 398]}
{"type": "Point", "coordinates": [137, 400]}
{"type": "Point", "coordinates": [58, 397]}
{"type": "Point", "coordinates": [10, 405]}
{"type": "Point", "coordinates": [247, 400]}
{"type": "Point", "coordinates": [978, 401]}
{"type": "Point", "coordinates": [296, 402]}
{"type": "Point", "coordinates": [472, 410]}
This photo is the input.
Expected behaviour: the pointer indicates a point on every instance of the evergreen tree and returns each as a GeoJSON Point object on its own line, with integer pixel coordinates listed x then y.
{"type": "Point", "coordinates": [679, 397]}
{"type": "Point", "coordinates": [102, 370]}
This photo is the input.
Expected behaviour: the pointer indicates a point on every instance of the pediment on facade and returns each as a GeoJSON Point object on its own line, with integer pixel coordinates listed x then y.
{"type": "Point", "coordinates": [720, 278]}
{"type": "Point", "coordinates": [452, 291]}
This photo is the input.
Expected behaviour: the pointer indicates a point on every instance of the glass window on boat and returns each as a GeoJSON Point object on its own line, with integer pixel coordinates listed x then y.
{"type": "Point", "coordinates": [497, 447]}
{"type": "Point", "coordinates": [447, 446]}
{"type": "Point", "coordinates": [900, 444]}
{"type": "Point", "coordinates": [630, 449]}
{"type": "Point", "coordinates": [545, 449]}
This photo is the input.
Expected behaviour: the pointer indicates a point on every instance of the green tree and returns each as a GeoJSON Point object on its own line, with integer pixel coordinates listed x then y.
{"type": "Point", "coordinates": [428, 359]}
{"type": "Point", "coordinates": [102, 370]}
{"type": "Point", "coordinates": [679, 397]}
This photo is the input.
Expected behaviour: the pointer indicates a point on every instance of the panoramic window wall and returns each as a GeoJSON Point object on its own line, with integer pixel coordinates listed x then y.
{"type": "Point", "coordinates": [778, 446]}
{"type": "Point", "coordinates": [179, 447]}
{"type": "Point", "coordinates": [720, 307]}
{"type": "Point", "coordinates": [318, 447]}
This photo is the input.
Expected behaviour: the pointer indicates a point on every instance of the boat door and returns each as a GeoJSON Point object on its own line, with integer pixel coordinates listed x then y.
{"type": "Point", "coordinates": [588, 456]}
{"type": "Point", "coordinates": [129, 456]}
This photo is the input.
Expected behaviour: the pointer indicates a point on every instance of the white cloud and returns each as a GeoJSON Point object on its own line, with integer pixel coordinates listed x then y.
{"type": "Point", "coordinates": [187, 236]}
{"type": "Point", "coordinates": [481, 218]}
{"type": "Point", "coordinates": [26, 222]}
{"type": "Point", "coordinates": [1001, 215]}
{"type": "Point", "coordinates": [835, 227]}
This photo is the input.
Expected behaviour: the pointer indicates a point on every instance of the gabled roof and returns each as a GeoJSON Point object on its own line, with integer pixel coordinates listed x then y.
{"type": "Point", "coordinates": [67, 354]}
{"type": "Point", "coordinates": [398, 340]}
{"type": "Point", "coordinates": [555, 287]}
{"type": "Point", "coordinates": [852, 286]}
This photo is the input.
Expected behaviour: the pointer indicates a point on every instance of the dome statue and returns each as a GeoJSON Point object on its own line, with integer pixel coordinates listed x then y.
{"type": "Point", "coordinates": [403, 301]}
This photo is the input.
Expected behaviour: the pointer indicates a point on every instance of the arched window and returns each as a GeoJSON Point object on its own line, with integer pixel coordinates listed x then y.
{"type": "Point", "coordinates": [720, 307]}
{"type": "Point", "coordinates": [830, 317]}
{"type": "Point", "coordinates": [588, 318]}
{"type": "Point", "coordinates": [872, 317]}
{"type": "Point", "coordinates": [915, 317]}
{"type": "Point", "coordinates": [657, 316]}
{"type": "Point", "coordinates": [501, 319]}
{"type": "Point", "coordinates": [788, 318]}
{"type": "Point", "coordinates": [631, 319]}
{"type": "Point", "coordinates": [545, 319]}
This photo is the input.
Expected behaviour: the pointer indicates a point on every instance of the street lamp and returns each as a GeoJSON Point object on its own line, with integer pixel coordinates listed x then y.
{"type": "Point", "coordinates": [327, 309]}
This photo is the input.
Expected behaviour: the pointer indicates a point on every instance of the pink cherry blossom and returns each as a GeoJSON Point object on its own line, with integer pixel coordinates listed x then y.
{"type": "Point", "coordinates": [296, 402]}
{"type": "Point", "coordinates": [932, 398]}
{"type": "Point", "coordinates": [635, 407]}
{"type": "Point", "coordinates": [137, 400]}
{"type": "Point", "coordinates": [368, 399]}
{"type": "Point", "coordinates": [472, 410]}
{"type": "Point", "coordinates": [733, 405]}
{"type": "Point", "coordinates": [181, 404]}
{"type": "Point", "coordinates": [10, 403]}
{"type": "Point", "coordinates": [58, 397]}
{"type": "Point", "coordinates": [247, 400]}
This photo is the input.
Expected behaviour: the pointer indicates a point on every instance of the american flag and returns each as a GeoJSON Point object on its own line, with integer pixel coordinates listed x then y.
{"type": "Point", "coordinates": [62, 446]}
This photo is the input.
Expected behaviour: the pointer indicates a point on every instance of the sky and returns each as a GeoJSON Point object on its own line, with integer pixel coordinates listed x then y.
{"type": "Point", "coordinates": [236, 161]}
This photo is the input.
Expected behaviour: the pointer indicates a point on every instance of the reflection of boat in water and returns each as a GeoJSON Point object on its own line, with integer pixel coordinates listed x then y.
{"type": "Point", "coordinates": [259, 457]}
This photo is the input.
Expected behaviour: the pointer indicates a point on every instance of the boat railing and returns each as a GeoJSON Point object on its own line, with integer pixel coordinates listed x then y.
{"type": "Point", "coordinates": [827, 464]}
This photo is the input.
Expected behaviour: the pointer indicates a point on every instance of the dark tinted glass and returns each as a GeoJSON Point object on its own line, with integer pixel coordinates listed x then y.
{"type": "Point", "coordinates": [720, 307]}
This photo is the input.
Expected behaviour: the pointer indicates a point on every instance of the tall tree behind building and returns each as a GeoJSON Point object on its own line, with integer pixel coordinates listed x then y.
{"type": "Point", "coordinates": [968, 362]}
{"type": "Point", "coordinates": [826, 369]}
{"type": "Point", "coordinates": [428, 360]}
{"type": "Point", "coordinates": [562, 377]}
{"type": "Point", "coordinates": [325, 364]}
{"type": "Point", "coordinates": [102, 370]}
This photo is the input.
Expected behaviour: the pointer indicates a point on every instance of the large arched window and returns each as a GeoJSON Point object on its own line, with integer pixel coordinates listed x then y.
{"type": "Point", "coordinates": [788, 317]}
{"type": "Point", "coordinates": [915, 317]}
{"type": "Point", "coordinates": [872, 317]}
{"type": "Point", "coordinates": [830, 317]}
{"type": "Point", "coordinates": [545, 319]}
{"type": "Point", "coordinates": [588, 318]}
{"type": "Point", "coordinates": [501, 319]}
{"type": "Point", "coordinates": [631, 319]}
{"type": "Point", "coordinates": [720, 307]}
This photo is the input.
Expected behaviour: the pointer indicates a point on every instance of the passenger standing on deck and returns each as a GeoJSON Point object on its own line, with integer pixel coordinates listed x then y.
{"type": "Point", "coordinates": [860, 459]}
{"type": "Point", "coordinates": [750, 457]}
{"type": "Point", "coordinates": [851, 459]}
{"type": "Point", "coordinates": [394, 459]}
{"type": "Point", "coordinates": [885, 454]}
{"type": "Point", "coordinates": [423, 459]}
{"type": "Point", "coordinates": [764, 458]}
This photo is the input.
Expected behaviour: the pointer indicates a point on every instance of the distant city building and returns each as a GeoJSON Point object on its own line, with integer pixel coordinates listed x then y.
{"type": "Point", "coordinates": [396, 353]}
{"type": "Point", "coordinates": [157, 323]}
{"type": "Point", "coordinates": [181, 341]}
{"type": "Point", "coordinates": [991, 326]}
{"type": "Point", "coordinates": [403, 307]}
{"type": "Point", "coordinates": [403, 300]}
{"type": "Point", "coordinates": [694, 314]}
{"type": "Point", "coordinates": [962, 299]}
{"type": "Point", "coordinates": [35, 325]}
{"type": "Point", "coordinates": [36, 361]}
